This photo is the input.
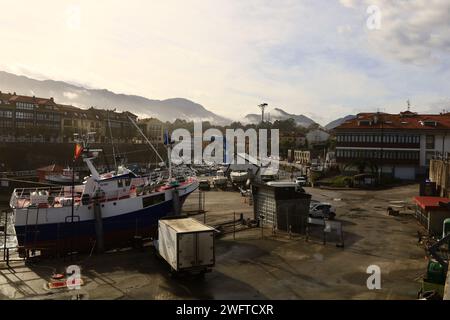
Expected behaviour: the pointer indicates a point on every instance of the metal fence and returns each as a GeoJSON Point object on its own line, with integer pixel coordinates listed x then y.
{"type": "Point", "coordinates": [195, 203]}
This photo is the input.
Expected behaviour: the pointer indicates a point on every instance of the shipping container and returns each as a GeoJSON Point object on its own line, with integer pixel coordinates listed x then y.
{"type": "Point", "coordinates": [186, 244]}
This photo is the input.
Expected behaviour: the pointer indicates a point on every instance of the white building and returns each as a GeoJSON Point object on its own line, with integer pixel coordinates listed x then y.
{"type": "Point", "coordinates": [398, 144]}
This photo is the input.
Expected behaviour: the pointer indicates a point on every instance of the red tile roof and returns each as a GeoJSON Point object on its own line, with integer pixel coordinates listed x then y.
{"type": "Point", "coordinates": [403, 121]}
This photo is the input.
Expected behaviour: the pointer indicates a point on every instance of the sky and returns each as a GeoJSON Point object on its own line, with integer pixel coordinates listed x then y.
{"type": "Point", "coordinates": [321, 58]}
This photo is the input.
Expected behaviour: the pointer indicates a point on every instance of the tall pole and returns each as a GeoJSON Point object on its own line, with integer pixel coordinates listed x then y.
{"type": "Point", "coordinates": [72, 226]}
{"type": "Point", "coordinates": [73, 187]}
{"type": "Point", "coordinates": [262, 106]}
{"type": "Point", "coordinates": [382, 155]}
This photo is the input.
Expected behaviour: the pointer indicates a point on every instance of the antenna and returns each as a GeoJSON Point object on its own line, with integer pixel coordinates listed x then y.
{"type": "Point", "coordinates": [262, 106]}
{"type": "Point", "coordinates": [408, 103]}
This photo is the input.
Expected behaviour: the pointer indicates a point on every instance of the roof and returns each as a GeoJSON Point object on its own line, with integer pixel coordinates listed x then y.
{"type": "Point", "coordinates": [431, 203]}
{"type": "Point", "coordinates": [91, 113]}
{"type": "Point", "coordinates": [13, 97]}
{"type": "Point", "coordinates": [186, 225]}
{"type": "Point", "coordinates": [406, 120]}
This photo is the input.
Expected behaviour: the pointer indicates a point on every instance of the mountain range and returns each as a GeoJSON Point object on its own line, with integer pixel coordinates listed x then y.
{"type": "Point", "coordinates": [165, 110]}
{"type": "Point", "coordinates": [66, 93]}
{"type": "Point", "coordinates": [279, 114]}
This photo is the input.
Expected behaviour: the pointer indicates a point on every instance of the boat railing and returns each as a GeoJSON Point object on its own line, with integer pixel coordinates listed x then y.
{"type": "Point", "coordinates": [24, 197]}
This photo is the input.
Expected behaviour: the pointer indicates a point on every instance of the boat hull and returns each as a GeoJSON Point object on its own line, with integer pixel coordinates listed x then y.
{"type": "Point", "coordinates": [80, 236]}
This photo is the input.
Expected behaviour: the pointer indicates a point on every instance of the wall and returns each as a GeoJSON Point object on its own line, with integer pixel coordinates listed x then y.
{"type": "Point", "coordinates": [29, 156]}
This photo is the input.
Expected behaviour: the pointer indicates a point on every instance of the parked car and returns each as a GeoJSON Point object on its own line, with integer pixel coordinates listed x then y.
{"type": "Point", "coordinates": [322, 210]}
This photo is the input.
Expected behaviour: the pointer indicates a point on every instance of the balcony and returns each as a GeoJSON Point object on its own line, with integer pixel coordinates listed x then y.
{"type": "Point", "coordinates": [348, 159]}
{"type": "Point", "coordinates": [379, 145]}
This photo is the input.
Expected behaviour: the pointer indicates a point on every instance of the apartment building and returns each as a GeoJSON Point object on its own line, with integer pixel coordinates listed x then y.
{"type": "Point", "coordinates": [153, 129]}
{"type": "Point", "coordinates": [34, 119]}
{"type": "Point", "coordinates": [399, 144]}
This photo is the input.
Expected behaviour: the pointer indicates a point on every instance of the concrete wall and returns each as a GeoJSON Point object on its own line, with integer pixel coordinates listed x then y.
{"type": "Point", "coordinates": [29, 156]}
{"type": "Point", "coordinates": [440, 173]}
{"type": "Point", "coordinates": [436, 220]}
{"type": "Point", "coordinates": [405, 172]}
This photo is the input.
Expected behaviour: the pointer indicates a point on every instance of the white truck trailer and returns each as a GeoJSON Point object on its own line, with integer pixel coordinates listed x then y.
{"type": "Point", "coordinates": [186, 244]}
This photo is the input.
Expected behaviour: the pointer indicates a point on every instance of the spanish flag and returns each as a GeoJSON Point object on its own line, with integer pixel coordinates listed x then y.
{"type": "Point", "coordinates": [78, 151]}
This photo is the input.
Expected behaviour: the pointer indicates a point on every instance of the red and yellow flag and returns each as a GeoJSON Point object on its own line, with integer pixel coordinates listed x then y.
{"type": "Point", "coordinates": [78, 151]}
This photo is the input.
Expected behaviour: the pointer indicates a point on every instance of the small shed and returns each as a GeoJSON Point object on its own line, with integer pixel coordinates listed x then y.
{"type": "Point", "coordinates": [431, 212]}
{"type": "Point", "coordinates": [284, 205]}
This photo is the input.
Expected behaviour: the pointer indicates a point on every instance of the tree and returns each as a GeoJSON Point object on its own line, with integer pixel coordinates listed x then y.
{"type": "Point", "coordinates": [362, 164]}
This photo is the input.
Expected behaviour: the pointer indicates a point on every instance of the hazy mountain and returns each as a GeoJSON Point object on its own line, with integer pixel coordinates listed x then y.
{"type": "Point", "coordinates": [338, 122]}
{"type": "Point", "coordinates": [279, 114]}
{"type": "Point", "coordinates": [66, 93]}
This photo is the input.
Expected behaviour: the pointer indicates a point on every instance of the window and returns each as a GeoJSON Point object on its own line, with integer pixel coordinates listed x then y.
{"type": "Point", "coordinates": [24, 115]}
{"type": "Point", "coordinates": [430, 142]}
{"type": "Point", "coordinates": [428, 156]}
{"type": "Point", "coordinates": [5, 123]}
{"type": "Point", "coordinates": [24, 106]}
{"type": "Point", "coordinates": [5, 113]}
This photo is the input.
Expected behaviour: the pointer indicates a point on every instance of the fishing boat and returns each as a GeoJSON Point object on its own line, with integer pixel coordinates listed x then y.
{"type": "Point", "coordinates": [127, 206]}
{"type": "Point", "coordinates": [220, 180]}
{"type": "Point", "coordinates": [63, 178]}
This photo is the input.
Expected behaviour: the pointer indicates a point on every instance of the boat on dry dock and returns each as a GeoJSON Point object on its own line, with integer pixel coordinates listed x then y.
{"type": "Point", "coordinates": [130, 206]}
{"type": "Point", "coordinates": [220, 180]}
{"type": "Point", "coordinates": [65, 177]}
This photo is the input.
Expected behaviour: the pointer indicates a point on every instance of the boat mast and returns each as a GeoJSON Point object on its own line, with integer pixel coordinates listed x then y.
{"type": "Point", "coordinates": [146, 139]}
{"type": "Point", "coordinates": [169, 161]}
{"type": "Point", "coordinates": [112, 142]}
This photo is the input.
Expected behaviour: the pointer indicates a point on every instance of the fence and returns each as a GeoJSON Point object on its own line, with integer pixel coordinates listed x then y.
{"type": "Point", "coordinates": [8, 238]}
{"type": "Point", "coordinates": [195, 203]}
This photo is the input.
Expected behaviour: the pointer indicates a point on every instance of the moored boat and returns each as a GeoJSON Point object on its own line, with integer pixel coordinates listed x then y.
{"type": "Point", "coordinates": [220, 180]}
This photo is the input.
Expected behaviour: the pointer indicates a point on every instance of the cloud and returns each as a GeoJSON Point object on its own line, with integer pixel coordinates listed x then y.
{"type": "Point", "coordinates": [348, 3]}
{"type": "Point", "coordinates": [70, 95]}
{"type": "Point", "coordinates": [345, 29]}
{"type": "Point", "coordinates": [310, 57]}
{"type": "Point", "coordinates": [414, 31]}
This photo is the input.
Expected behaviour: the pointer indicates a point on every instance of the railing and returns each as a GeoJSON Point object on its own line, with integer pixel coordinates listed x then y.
{"type": "Point", "coordinates": [26, 193]}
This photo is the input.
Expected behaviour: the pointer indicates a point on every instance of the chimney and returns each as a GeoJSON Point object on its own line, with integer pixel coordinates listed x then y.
{"type": "Point", "coordinates": [14, 93]}
{"type": "Point", "coordinates": [51, 99]}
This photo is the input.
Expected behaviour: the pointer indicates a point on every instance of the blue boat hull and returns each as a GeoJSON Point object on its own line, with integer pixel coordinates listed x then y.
{"type": "Point", "coordinates": [80, 236]}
